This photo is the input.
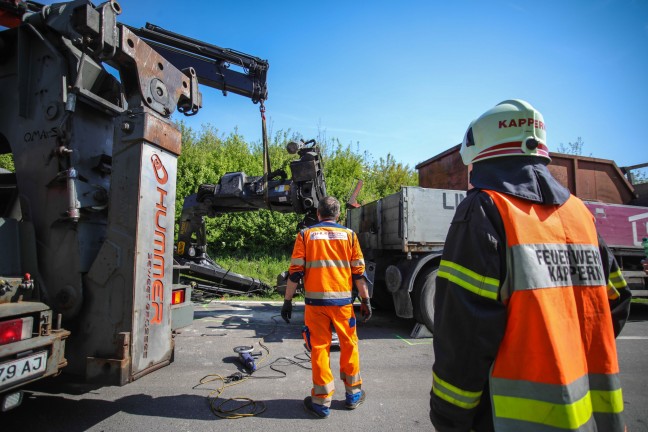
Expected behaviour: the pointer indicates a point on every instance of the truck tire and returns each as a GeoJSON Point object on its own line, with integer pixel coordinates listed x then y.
{"type": "Point", "coordinates": [423, 298]}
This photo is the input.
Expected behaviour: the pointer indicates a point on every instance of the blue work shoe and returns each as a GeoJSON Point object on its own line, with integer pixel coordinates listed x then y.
{"type": "Point", "coordinates": [318, 411]}
{"type": "Point", "coordinates": [353, 401]}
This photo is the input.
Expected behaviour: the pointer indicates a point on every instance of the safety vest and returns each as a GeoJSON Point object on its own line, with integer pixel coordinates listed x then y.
{"type": "Point", "coordinates": [328, 254]}
{"type": "Point", "coordinates": [556, 368]}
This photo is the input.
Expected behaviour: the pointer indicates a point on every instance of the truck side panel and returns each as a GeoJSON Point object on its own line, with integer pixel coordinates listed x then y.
{"type": "Point", "coordinates": [414, 219]}
{"type": "Point", "coordinates": [620, 225]}
{"type": "Point", "coordinates": [623, 227]}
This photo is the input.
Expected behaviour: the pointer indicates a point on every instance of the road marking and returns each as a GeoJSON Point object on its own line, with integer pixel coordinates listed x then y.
{"type": "Point", "coordinates": [633, 337]}
{"type": "Point", "coordinates": [413, 343]}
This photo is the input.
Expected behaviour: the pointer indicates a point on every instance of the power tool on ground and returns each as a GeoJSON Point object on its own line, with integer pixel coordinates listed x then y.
{"type": "Point", "coordinates": [247, 357]}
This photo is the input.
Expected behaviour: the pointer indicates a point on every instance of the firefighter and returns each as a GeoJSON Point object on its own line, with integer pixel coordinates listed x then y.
{"type": "Point", "coordinates": [328, 258]}
{"type": "Point", "coordinates": [529, 299]}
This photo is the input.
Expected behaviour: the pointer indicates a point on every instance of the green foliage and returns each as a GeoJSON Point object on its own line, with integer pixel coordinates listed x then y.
{"type": "Point", "coordinates": [386, 176]}
{"type": "Point", "coordinates": [7, 162]}
{"type": "Point", "coordinates": [204, 160]}
{"type": "Point", "coordinates": [207, 155]}
{"type": "Point", "coordinates": [638, 176]}
{"type": "Point", "coordinates": [573, 148]}
{"type": "Point", "coordinates": [262, 266]}
{"type": "Point", "coordinates": [342, 170]}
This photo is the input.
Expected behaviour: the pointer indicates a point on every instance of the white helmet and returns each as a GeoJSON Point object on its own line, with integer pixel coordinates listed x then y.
{"type": "Point", "coordinates": [511, 128]}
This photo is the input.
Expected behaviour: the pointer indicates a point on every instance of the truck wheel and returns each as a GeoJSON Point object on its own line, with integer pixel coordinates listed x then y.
{"type": "Point", "coordinates": [424, 289]}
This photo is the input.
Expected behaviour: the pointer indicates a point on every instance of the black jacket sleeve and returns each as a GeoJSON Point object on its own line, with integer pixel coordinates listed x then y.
{"type": "Point", "coordinates": [468, 326]}
{"type": "Point", "coordinates": [620, 306]}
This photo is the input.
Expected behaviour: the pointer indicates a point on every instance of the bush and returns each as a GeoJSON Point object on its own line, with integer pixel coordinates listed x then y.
{"type": "Point", "coordinates": [208, 155]}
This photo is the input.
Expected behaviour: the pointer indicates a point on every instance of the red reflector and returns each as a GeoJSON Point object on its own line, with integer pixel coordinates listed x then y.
{"type": "Point", "coordinates": [177, 296]}
{"type": "Point", "coordinates": [15, 330]}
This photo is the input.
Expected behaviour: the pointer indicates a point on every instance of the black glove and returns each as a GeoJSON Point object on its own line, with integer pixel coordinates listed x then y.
{"type": "Point", "coordinates": [365, 309]}
{"type": "Point", "coordinates": [286, 311]}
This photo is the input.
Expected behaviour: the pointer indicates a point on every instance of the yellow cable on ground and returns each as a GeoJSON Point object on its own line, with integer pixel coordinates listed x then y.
{"type": "Point", "coordinates": [252, 407]}
{"type": "Point", "coordinates": [232, 413]}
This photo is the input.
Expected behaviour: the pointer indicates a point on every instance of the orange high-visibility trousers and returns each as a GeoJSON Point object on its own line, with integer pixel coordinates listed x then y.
{"type": "Point", "coordinates": [317, 335]}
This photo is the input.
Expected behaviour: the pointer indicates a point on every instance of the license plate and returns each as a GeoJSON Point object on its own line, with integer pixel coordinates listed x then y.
{"type": "Point", "coordinates": [18, 370]}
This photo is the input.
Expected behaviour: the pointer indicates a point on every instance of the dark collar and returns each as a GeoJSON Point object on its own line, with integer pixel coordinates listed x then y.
{"type": "Point", "coordinates": [525, 177]}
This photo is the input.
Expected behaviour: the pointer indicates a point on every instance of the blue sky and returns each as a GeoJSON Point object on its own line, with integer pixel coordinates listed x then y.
{"type": "Point", "coordinates": [407, 77]}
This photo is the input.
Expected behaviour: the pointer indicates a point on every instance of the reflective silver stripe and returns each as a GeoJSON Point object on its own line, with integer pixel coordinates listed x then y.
{"type": "Point", "coordinates": [510, 425]}
{"type": "Point", "coordinates": [352, 389]}
{"type": "Point", "coordinates": [327, 263]}
{"type": "Point", "coordinates": [298, 261]}
{"type": "Point", "coordinates": [327, 295]}
{"type": "Point", "coordinates": [570, 406]}
{"type": "Point", "coordinates": [553, 393]}
{"type": "Point", "coordinates": [325, 389]}
{"type": "Point", "coordinates": [350, 380]}
{"type": "Point", "coordinates": [556, 393]}
{"type": "Point", "coordinates": [462, 398]}
{"type": "Point", "coordinates": [322, 401]}
{"type": "Point", "coordinates": [555, 265]}
{"type": "Point", "coordinates": [604, 382]}
{"type": "Point", "coordinates": [356, 263]}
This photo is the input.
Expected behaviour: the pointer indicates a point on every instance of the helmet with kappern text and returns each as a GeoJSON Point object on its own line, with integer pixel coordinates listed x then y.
{"type": "Point", "coordinates": [511, 128]}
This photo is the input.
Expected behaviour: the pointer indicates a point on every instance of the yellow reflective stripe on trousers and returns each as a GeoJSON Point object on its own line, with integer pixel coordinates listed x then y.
{"type": "Point", "coordinates": [481, 285]}
{"type": "Point", "coordinates": [351, 380]}
{"type": "Point", "coordinates": [453, 394]}
{"type": "Point", "coordinates": [568, 416]}
{"type": "Point", "coordinates": [320, 295]}
{"type": "Point", "coordinates": [324, 389]}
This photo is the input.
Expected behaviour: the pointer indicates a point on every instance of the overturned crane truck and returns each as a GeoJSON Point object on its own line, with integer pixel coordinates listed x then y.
{"type": "Point", "coordinates": [87, 221]}
{"type": "Point", "coordinates": [403, 234]}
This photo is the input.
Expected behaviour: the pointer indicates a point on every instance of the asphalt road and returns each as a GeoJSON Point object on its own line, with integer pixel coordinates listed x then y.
{"type": "Point", "coordinates": [396, 371]}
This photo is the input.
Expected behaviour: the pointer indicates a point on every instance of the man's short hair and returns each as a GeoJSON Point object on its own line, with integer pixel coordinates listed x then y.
{"type": "Point", "coordinates": [329, 208]}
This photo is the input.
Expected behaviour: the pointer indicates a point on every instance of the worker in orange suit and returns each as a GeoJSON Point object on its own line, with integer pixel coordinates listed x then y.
{"type": "Point", "coordinates": [328, 258]}
{"type": "Point", "coordinates": [529, 299]}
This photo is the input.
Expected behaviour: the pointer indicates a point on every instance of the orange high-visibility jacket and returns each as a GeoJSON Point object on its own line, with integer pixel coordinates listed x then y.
{"type": "Point", "coordinates": [328, 256]}
{"type": "Point", "coordinates": [557, 364]}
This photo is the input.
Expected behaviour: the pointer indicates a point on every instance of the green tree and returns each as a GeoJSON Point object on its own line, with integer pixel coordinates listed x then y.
{"type": "Point", "coordinates": [342, 169]}
{"type": "Point", "coordinates": [208, 154]}
{"type": "Point", "coordinates": [7, 162]}
{"type": "Point", "coordinates": [638, 176]}
{"type": "Point", "coordinates": [573, 148]}
{"type": "Point", "coordinates": [386, 176]}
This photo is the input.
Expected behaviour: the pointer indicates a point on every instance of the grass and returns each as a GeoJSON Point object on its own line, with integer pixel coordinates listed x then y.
{"type": "Point", "coordinates": [265, 267]}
